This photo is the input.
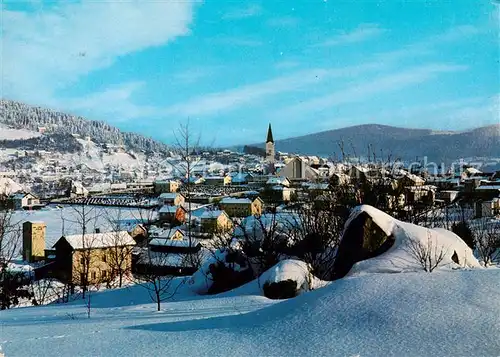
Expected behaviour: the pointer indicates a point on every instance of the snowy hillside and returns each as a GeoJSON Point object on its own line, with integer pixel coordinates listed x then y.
{"type": "Point", "coordinates": [7, 133]}
{"type": "Point", "coordinates": [415, 314]}
{"type": "Point", "coordinates": [22, 116]}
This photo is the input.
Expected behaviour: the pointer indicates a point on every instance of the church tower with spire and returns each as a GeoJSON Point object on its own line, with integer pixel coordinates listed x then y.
{"type": "Point", "coordinates": [270, 152]}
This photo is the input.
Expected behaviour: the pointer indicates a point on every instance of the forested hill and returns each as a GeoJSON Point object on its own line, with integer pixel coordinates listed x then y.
{"type": "Point", "coordinates": [22, 116]}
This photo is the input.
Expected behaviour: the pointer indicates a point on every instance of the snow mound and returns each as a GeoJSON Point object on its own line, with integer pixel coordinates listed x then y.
{"type": "Point", "coordinates": [401, 257]}
{"type": "Point", "coordinates": [289, 269]}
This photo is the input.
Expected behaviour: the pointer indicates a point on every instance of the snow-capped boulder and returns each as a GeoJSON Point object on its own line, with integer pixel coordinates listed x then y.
{"type": "Point", "coordinates": [374, 242]}
{"type": "Point", "coordinates": [275, 282]}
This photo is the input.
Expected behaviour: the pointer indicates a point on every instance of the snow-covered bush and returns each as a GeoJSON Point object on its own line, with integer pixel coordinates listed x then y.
{"type": "Point", "coordinates": [226, 269]}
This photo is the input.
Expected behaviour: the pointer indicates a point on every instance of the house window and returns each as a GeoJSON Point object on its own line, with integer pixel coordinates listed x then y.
{"type": "Point", "coordinates": [104, 274]}
{"type": "Point", "coordinates": [82, 278]}
{"type": "Point", "coordinates": [82, 260]}
{"type": "Point", "coordinates": [104, 258]}
{"type": "Point", "coordinates": [94, 275]}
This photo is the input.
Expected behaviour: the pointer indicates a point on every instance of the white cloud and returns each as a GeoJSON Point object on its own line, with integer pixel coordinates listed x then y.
{"type": "Point", "coordinates": [370, 88]}
{"type": "Point", "coordinates": [239, 97]}
{"type": "Point", "coordinates": [287, 64]}
{"type": "Point", "coordinates": [193, 75]}
{"type": "Point", "coordinates": [362, 33]}
{"type": "Point", "coordinates": [47, 50]}
{"type": "Point", "coordinates": [241, 13]}
{"type": "Point", "coordinates": [115, 103]}
{"type": "Point", "coordinates": [430, 44]}
{"type": "Point", "coordinates": [237, 41]}
{"type": "Point", "coordinates": [285, 21]}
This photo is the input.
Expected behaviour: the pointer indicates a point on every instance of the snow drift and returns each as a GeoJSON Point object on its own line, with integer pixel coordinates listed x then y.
{"type": "Point", "coordinates": [442, 314]}
{"type": "Point", "coordinates": [400, 256]}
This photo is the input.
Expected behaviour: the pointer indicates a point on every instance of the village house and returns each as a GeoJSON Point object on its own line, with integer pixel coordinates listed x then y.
{"type": "Point", "coordinates": [91, 257]}
{"type": "Point", "coordinates": [76, 189]}
{"type": "Point", "coordinates": [488, 208]}
{"type": "Point", "coordinates": [298, 170]}
{"type": "Point", "coordinates": [215, 221]}
{"type": "Point", "coordinates": [166, 186]}
{"type": "Point", "coordinates": [447, 196]}
{"type": "Point", "coordinates": [242, 178]}
{"type": "Point", "coordinates": [177, 241]}
{"type": "Point", "coordinates": [241, 207]}
{"type": "Point", "coordinates": [171, 199]}
{"type": "Point", "coordinates": [172, 214]}
{"type": "Point", "coordinates": [411, 180]}
{"type": "Point", "coordinates": [18, 201]}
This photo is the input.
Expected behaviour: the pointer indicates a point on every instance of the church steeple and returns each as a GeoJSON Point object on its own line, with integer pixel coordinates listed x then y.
{"type": "Point", "coordinates": [269, 135]}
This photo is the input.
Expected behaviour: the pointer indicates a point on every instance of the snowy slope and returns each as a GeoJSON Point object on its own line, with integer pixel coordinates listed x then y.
{"type": "Point", "coordinates": [415, 314]}
{"type": "Point", "coordinates": [16, 134]}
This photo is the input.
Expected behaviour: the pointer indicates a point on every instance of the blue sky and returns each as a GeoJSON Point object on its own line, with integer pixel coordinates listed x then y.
{"type": "Point", "coordinates": [231, 67]}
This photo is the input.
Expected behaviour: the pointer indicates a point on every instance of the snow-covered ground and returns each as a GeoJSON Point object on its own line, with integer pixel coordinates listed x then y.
{"type": "Point", "coordinates": [16, 134]}
{"type": "Point", "coordinates": [413, 314]}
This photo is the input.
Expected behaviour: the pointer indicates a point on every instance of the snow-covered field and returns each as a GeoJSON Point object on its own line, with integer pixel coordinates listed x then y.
{"type": "Point", "coordinates": [413, 314]}
{"type": "Point", "coordinates": [16, 134]}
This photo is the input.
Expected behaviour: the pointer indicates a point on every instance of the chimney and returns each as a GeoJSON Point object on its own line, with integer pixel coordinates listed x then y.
{"type": "Point", "coordinates": [98, 230]}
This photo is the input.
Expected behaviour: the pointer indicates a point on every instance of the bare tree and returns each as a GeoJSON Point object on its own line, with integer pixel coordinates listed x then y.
{"type": "Point", "coordinates": [486, 234]}
{"type": "Point", "coordinates": [187, 147]}
{"type": "Point", "coordinates": [10, 234]}
{"type": "Point", "coordinates": [428, 254]}
{"type": "Point", "coordinates": [316, 234]}
{"type": "Point", "coordinates": [120, 251]}
{"type": "Point", "coordinates": [84, 218]}
{"type": "Point", "coordinates": [160, 285]}
{"type": "Point", "coordinates": [46, 290]}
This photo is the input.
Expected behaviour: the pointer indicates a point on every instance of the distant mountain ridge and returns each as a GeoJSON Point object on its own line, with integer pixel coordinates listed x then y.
{"type": "Point", "coordinates": [406, 144]}
{"type": "Point", "coordinates": [18, 115]}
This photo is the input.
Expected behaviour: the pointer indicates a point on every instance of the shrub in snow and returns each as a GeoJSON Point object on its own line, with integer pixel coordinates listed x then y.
{"type": "Point", "coordinates": [226, 269]}
{"type": "Point", "coordinates": [14, 287]}
{"type": "Point", "coordinates": [282, 290]}
{"type": "Point", "coordinates": [374, 242]}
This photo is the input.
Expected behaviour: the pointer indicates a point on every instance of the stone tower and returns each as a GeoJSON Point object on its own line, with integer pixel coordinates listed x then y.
{"type": "Point", "coordinates": [270, 153]}
{"type": "Point", "coordinates": [33, 241]}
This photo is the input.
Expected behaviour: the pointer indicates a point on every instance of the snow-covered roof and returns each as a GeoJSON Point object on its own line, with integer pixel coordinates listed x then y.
{"type": "Point", "coordinates": [168, 195]}
{"type": "Point", "coordinates": [488, 188]}
{"type": "Point", "coordinates": [99, 240]}
{"type": "Point", "coordinates": [232, 200]}
{"type": "Point", "coordinates": [212, 214]}
{"type": "Point", "coordinates": [168, 209]}
{"type": "Point", "coordinates": [181, 243]}
{"type": "Point", "coordinates": [277, 181]}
